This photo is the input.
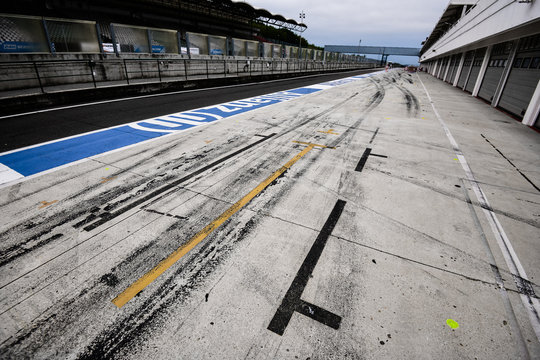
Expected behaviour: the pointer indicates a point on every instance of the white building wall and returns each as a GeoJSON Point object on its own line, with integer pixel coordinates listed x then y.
{"type": "Point", "coordinates": [487, 19]}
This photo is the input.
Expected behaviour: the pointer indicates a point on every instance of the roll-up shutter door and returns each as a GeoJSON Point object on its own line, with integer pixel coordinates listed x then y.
{"type": "Point", "coordinates": [440, 71]}
{"type": "Point", "coordinates": [447, 69]}
{"type": "Point", "coordinates": [477, 64]}
{"type": "Point", "coordinates": [438, 68]}
{"type": "Point", "coordinates": [495, 69]}
{"type": "Point", "coordinates": [443, 70]}
{"type": "Point", "coordinates": [452, 71]}
{"type": "Point", "coordinates": [465, 71]}
{"type": "Point", "coordinates": [523, 77]}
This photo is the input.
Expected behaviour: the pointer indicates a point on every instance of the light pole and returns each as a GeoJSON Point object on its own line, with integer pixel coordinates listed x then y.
{"type": "Point", "coordinates": [359, 42]}
{"type": "Point", "coordinates": [302, 16]}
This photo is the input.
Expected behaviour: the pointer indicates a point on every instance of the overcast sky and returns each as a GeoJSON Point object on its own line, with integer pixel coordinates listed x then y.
{"type": "Point", "coordinates": [376, 22]}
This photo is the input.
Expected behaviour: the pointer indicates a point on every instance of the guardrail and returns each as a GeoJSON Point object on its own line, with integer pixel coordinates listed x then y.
{"type": "Point", "coordinates": [33, 77]}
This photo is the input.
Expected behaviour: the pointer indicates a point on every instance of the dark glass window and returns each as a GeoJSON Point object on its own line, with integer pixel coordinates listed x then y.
{"type": "Point", "coordinates": [535, 62]}
{"type": "Point", "coordinates": [517, 63]}
{"type": "Point", "coordinates": [525, 63]}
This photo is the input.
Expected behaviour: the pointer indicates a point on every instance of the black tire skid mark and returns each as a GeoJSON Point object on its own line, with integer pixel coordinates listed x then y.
{"type": "Point", "coordinates": [114, 344]}
{"type": "Point", "coordinates": [376, 99]}
{"type": "Point", "coordinates": [101, 202]}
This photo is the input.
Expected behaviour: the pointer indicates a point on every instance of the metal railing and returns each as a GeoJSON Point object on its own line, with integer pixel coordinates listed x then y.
{"type": "Point", "coordinates": [34, 77]}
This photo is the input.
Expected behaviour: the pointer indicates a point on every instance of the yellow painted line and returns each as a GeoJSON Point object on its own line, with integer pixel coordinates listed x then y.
{"type": "Point", "coordinates": [104, 179]}
{"type": "Point", "coordinates": [166, 263]}
{"type": "Point", "coordinates": [46, 203]}
{"type": "Point", "coordinates": [329, 131]}
{"type": "Point", "coordinates": [312, 144]}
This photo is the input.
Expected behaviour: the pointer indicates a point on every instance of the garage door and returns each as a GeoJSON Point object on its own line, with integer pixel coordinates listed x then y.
{"type": "Point", "coordinates": [477, 63]}
{"type": "Point", "coordinates": [454, 62]}
{"type": "Point", "coordinates": [495, 69]}
{"type": "Point", "coordinates": [465, 70]}
{"type": "Point", "coordinates": [443, 68]}
{"type": "Point", "coordinates": [523, 77]}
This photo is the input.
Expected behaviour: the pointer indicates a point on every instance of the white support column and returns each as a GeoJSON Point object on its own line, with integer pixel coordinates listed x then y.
{"type": "Point", "coordinates": [469, 71]}
{"type": "Point", "coordinates": [447, 68]}
{"type": "Point", "coordinates": [482, 72]}
{"type": "Point", "coordinates": [441, 67]}
{"type": "Point", "coordinates": [435, 67]}
{"type": "Point", "coordinates": [460, 68]}
{"type": "Point", "coordinates": [534, 108]}
{"type": "Point", "coordinates": [505, 74]}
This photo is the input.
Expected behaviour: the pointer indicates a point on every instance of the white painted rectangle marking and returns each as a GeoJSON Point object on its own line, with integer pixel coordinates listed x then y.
{"type": "Point", "coordinates": [7, 174]}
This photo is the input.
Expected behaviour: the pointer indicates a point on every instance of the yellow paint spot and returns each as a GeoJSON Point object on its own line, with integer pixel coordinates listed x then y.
{"type": "Point", "coordinates": [423, 118]}
{"type": "Point", "coordinates": [104, 179]}
{"type": "Point", "coordinates": [170, 260]}
{"type": "Point", "coordinates": [106, 168]}
{"type": "Point", "coordinates": [452, 323]}
{"type": "Point", "coordinates": [388, 118]}
{"type": "Point", "coordinates": [208, 141]}
{"type": "Point", "coordinates": [329, 131]}
{"type": "Point", "coordinates": [47, 203]}
{"type": "Point", "coordinates": [455, 159]}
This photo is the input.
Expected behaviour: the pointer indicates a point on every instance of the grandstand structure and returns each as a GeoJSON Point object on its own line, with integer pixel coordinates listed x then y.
{"type": "Point", "coordinates": [490, 49]}
{"type": "Point", "coordinates": [142, 26]}
{"type": "Point", "coordinates": [47, 44]}
{"type": "Point", "coordinates": [217, 17]}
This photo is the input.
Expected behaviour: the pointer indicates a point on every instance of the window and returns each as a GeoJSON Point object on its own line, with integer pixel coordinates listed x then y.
{"type": "Point", "coordinates": [517, 63]}
{"type": "Point", "coordinates": [73, 36]}
{"type": "Point", "coordinates": [525, 63]}
{"type": "Point", "coordinates": [131, 39]}
{"type": "Point", "coordinates": [535, 62]}
{"type": "Point", "coordinates": [22, 35]}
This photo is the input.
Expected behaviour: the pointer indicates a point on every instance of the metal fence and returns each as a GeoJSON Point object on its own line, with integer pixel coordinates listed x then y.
{"type": "Point", "coordinates": [32, 77]}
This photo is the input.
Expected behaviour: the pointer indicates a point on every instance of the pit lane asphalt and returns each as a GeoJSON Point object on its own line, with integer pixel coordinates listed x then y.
{"type": "Point", "coordinates": [20, 130]}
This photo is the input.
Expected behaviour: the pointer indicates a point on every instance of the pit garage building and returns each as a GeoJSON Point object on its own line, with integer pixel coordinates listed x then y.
{"type": "Point", "coordinates": [491, 49]}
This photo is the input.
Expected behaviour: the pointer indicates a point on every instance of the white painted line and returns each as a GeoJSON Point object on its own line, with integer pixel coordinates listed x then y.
{"type": "Point", "coordinates": [162, 123]}
{"type": "Point", "coordinates": [163, 94]}
{"type": "Point", "coordinates": [514, 265]}
{"type": "Point", "coordinates": [180, 121]}
{"type": "Point", "coordinates": [151, 121]}
{"type": "Point", "coordinates": [7, 174]}
{"type": "Point", "coordinates": [319, 86]}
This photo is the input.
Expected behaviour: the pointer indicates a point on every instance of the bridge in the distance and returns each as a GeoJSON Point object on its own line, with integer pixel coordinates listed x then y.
{"type": "Point", "coordinates": [384, 51]}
